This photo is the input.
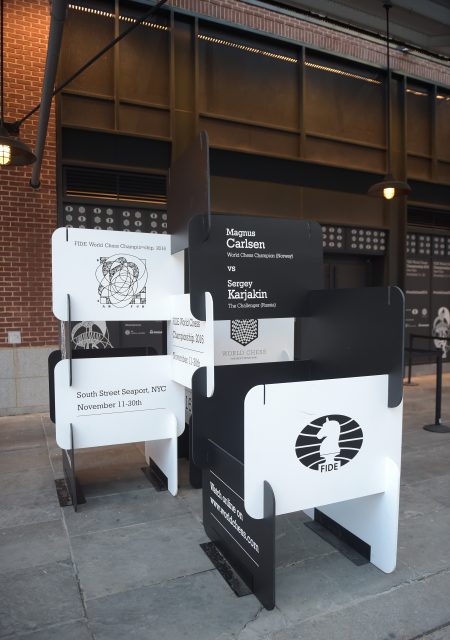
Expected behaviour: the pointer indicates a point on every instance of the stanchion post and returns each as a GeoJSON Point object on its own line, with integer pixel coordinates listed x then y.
{"type": "Point", "coordinates": [410, 357]}
{"type": "Point", "coordinates": [437, 418]}
{"type": "Point", "coordinates": [438, 427]}
{"type": "Point", "coordinates": [410, 350]}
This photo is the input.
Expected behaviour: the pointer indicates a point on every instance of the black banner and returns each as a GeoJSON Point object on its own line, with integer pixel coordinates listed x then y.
{"type": "Point", "coordinates": [220, 418]}
{"type": "Point", "coordinates": [417, 290]}
{"type": "Point", "coordinates": [440, 308]}
{"type": "Point", "coordinates": [355, 332]}
{"type": "Point", "coordinates": [254, 267]}
{"type": "Point", "coordinates": [188, 190]}
{"type": "Point", "coordinates": [248, 544]}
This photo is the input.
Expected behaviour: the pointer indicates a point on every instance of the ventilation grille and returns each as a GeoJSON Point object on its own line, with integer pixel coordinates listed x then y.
{"type": "Point", "coordinates": [429, 218]}
{"type": "Point", "coordinates": [85, 182]}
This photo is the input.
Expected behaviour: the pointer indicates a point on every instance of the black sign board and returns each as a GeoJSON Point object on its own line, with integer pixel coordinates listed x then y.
{"type": "Point", "coordinates": [188, 190]}
{"type": "Point", "coordinates": [345, 333]}
{"type": "Point", "coordinates": [220, 418]}
{"type": "Point", "coordinates": [417, 289]}
{"type": "Point", "coordinates": [254, 267]}
{"type": "Point", "coordinates": [440, 308]}
{"type": "Point", "coordinates": [418, 311]}
{"type": "Point", "coordinates": [248, 544]}
{"type": "Point", "coordinates": [355, 332]}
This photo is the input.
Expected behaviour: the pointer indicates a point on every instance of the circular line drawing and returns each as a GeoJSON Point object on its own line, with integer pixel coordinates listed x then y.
{"type": "Point", "coordinates": [122, 281]}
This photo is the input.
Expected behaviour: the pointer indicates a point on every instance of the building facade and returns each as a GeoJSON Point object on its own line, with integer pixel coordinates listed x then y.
{"type": "Point", "coordinates": [295, 110]}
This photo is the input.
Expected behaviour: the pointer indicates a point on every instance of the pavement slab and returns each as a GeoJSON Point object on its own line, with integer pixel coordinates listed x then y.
{"type": "Point", "coordinates": [294, 542]}
{"type": "Point", "coordinates": [78, 630]}
{"type": "Point", "coordinates": [38, 597]}
{"type": "Point", "coordinates": [402, 613]}
{"type": "Point", "coordinates": [13, 461]}
{"type": "Point", "coordinates": [21, 432]}
{"type": "Point", "coordinates": [439, 634]}
{"type": "Point", "coordinates": [125, 558]}
{"type": "Point", "coordinates": [103, 513]}
{"type": "Point", "coordinates": [28, 497]}
{"type": "Point", "coordinates": [33, 545]}
{"type": "Point", "coordinates": [424, 544]}
{"type": "Point", "coordinates": [196, 607]}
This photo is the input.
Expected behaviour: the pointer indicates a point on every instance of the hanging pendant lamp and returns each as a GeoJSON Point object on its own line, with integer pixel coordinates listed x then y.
{"type": "Point", "coordinates": [389, 187]}
{"type": "Point", "coordinates": [13, 152]}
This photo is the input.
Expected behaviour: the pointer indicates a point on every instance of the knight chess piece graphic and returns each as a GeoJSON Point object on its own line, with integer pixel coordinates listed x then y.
{"type": "Point", "coordinates": [328, 443]}
{"type": "Point", "coordinates": [441, 329]}
{"type": "Point", "coordinates": [329, 447]}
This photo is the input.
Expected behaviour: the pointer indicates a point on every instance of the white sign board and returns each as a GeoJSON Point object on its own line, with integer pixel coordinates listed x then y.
{"type": "Point", "coordinates": [119, 400]}
{"type": "Point", "coordinates": [252, 341]}
{"type": "Point", "coordinates": [190, 342]}
{"type": "Point", "coordinates": [114, 275]}
{"type": "Point", "coordinates": [116, 400]}
{"type": "Point", "coordinates": [318, 442]}
{"type": "Point", "coordinates": [327, 442]}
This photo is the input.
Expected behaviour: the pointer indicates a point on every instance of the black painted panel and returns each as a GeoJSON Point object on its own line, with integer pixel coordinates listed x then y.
{"type": "Point", "coordinates": [256, 267]}
{"type": "Point", "coordinates": [248, 544]}
{"type": "Point", "coordinates": [188, 191]}
{"type": "Point", "coordinates": [221, 417]}
{"type": "Point", "coordinates": [355, 332]}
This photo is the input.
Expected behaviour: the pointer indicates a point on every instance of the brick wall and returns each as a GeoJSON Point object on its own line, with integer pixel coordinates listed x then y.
{"type": "Point", "coordinates": [311, 32]}
{"type": "Point", "coordinates": [27, 217]}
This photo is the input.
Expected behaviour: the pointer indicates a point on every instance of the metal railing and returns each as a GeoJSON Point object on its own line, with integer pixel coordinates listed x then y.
{"type": "Point", "coordinates": [437, 426]}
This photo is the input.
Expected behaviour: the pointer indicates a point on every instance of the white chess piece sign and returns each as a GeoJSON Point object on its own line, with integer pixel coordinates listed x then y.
{"type": "Point", "coordinates": [331, 444]}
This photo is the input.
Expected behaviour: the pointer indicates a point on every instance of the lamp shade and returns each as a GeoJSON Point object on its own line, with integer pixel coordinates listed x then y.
{"type": "Point", "coordinates": [389, 188]}
{"type": "Point", "coordinates": [14, 152]}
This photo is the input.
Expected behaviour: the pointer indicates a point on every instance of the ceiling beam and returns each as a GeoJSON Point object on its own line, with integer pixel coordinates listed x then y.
{"type": "Point", "coordinates": [426, 8]}
{"type": "Point", "coordinates": [440, 41]}
{"type": "Point", "coordinates": [352, 16]}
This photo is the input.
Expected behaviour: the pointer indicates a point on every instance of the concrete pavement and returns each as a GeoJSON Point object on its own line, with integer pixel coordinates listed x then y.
{"type": "Point", "coordinates": [128, 565]}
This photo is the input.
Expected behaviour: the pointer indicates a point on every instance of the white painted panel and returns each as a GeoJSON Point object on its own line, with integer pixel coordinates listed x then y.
{"type": "Point", "coordinates": [190, 342]}
{"type": "Point", "coordinates": [114, 275]}
{"type": "Point", "coordinates": [309, 465]}
{"type": "Point", "coordinates": [117, 400]}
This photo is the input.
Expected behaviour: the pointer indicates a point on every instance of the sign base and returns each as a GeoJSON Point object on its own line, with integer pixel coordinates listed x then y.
{"type": "Point", "coordinates": [226, 569]}
{"type": "Point", "coordinates": [344, 541]}
{"type": "Point", "coordinates": [155, 476]}
{"type": "Point", "coordinates": [437, 428]}
{"type": "Point", "coordinates": [63, 493]}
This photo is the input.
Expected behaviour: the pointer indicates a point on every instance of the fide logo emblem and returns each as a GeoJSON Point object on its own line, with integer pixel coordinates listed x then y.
{"type": "Point", "coordinates": [328, 443]}
{"type": "Point", "coordinates": [244, 331]}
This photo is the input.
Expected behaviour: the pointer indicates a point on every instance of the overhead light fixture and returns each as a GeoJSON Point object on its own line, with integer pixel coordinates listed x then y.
{"type": "Point", "coordinates": [13, 152]}
{"type": "Point", "coordinates": [389, 188]}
